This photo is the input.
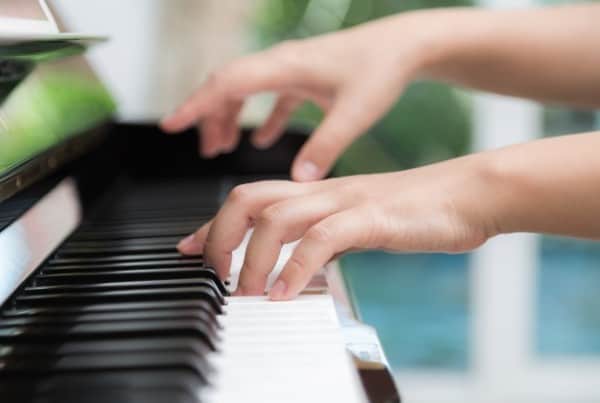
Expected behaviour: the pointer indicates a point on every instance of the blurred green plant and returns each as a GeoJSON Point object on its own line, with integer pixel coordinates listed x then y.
{"type": "Point", "coordinates": [48, 108]}
{"type": "Point", "coordinates": [430, 121]}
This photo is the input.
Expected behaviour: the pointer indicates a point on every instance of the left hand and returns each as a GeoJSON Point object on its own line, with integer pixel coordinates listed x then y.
{"type": "Point", "coordinates": [440, 207]}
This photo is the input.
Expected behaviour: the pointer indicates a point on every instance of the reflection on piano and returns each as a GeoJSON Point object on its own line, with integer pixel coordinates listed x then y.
{"type": "Point", "coordinates": [98, 306]}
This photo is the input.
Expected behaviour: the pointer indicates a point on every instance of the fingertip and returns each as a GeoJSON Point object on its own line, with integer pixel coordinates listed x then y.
{"type": "Point", "coordinates": [190, 246]}
{"type": "Point", "coordinates": [239, 292]}
{"type": "Point", "coordinates": [279, 291]}
{"type": "Point", "coordinates": [306, 171]}
{"type": "Point", "coordinates": [167, 124]}
{"type": "Point", "coordinates": [261, 142]}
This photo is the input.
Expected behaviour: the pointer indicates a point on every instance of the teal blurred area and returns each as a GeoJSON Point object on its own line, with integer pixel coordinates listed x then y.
{"type": "Point", "coordinates": [419, 305]}
{"type": "Point", "coordinates": [568, 307]}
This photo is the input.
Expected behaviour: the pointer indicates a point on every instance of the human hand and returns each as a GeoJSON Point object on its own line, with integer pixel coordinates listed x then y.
{"type": "Point", "coordinates": [436, 208]}
{"type": "Point", "coordinates": [354, 76]}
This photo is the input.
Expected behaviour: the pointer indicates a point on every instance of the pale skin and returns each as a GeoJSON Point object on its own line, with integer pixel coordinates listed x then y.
{"type": "Point", "coordinates": [547, 186]}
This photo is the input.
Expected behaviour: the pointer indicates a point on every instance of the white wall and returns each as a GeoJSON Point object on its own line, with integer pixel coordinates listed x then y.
{"type": "Point", "coordinates": [160, 50]}
{"type": "Point", "coordinates": [126, 63]}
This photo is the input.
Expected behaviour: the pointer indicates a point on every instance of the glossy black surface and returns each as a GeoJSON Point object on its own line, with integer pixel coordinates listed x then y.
{"type": "Point", "coordinates": [116, 314]}
{"type": "Point", "coordinates": [116, 306]}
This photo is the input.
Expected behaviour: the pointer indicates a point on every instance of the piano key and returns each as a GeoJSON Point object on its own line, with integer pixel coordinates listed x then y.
{"type": "Point", "coordinates": [136, 231]}
{"type": "Point", "coordinates": [81, 277]}
{"type": "Point", "coordinates": [204, 316]}
{"type": "Point", "coordinates": [131, 286]}
{"type": "Point", "coordinates": [131, 249]}
{"type": "Point", "coordinates": [206, 293]}
{"type": "Point", "coordinates": [116, 258]}
{"type": "Point", "coordinates": [103, 331]}
{"type": "Point", "coordinates": [105, 362]}
{"type": "Point", "coordinates": [182, 262]}
{"type": "Point", "coordinates": [132, 386]}
{"type": "Point", "coordinates": [191, 345]}
{"type": "Point", "coordinates": [110, 244]}
{"type": "Point", "coordinates": [194, 303]}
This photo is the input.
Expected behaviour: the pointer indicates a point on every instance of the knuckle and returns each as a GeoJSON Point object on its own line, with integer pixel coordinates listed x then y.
{"type": "Point", "coordinates": [213, 78]}
{"type": "Point", "coordinates": [377, 226]}
{"type": "Point", "coordinates": [296, 265]}
{"type": "Point", "coordinates": [272, 215]}
{"type": "Point", "coordinates": [289, 54]}
{"type": "Point", "coordinates": [285, 47]}
{"type": "Point", "coordinates": [218, 79]}
{"type": "Point", "coordinates": [240, 194]}
{"type": "Point", "coordinates": [319, 233]}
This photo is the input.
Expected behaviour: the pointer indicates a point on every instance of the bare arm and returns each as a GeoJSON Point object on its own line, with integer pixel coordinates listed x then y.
{"type": "Point", "coordinates": [549, 186]}
{"type": "Point", "coordinates": [550, 54]}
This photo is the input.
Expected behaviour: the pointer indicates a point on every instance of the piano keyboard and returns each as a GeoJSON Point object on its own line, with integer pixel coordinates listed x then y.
{"type": "Point", "coordinates": [117, 315]}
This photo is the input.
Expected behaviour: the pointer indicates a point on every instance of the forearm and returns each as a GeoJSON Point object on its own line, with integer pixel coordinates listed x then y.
{"type": "Point", "coordinates": [547, 186]}
{"type": "Point", "coordinates": [549, 54]}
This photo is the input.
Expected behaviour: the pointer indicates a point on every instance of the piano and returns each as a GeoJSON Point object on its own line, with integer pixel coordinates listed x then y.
{"type": "Point", "coordinates": [96, 305]}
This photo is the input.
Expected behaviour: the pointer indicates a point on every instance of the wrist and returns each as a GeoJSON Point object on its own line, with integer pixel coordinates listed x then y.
{"type": "Point", "coordinates": [506, 193]}
{"type": "Point", "coordinates": [443, 39]}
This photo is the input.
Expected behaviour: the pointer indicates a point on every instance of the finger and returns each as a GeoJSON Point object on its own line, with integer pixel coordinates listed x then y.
{"type": "Point", "coordinates": [193, 244]}
{"type": "Point", "coordinates": [279, 224]}
{"type": "Point", "coordinates": [210, 138]}
{"type": "Point", "coordinates": [231, 130]}
{"type": "Point", "coordinates": [272, 129]}
{"type": "Point", "coordinates": [237, 215]}
{"type": "Point", "coordinates": [263, 71]}
{"type": "Point", "coordinates": [351, 115]}
{"type": "Point", "coordinates": [335, 234]}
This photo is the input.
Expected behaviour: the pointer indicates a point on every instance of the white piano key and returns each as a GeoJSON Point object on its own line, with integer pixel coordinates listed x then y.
{"type": "Point", "coordinates": [282, 351]}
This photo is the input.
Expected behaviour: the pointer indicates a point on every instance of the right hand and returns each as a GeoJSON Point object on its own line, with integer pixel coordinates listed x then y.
{"type": "Point", "coordinates": [354, 76]}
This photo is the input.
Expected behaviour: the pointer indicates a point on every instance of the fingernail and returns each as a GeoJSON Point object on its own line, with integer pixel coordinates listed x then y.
{"type": "Point", "coordinates": [307, 171]}
{"type": "Point", "coordinates": [166, 122]}
{"type": "Point", "coordinates": [278, 291]}
{"type": "Point", "coordinates": [261, 143]}
{"type": "Point", "coordinates": [186, 242]}
{"type": "Point", "coordinates": [212, 153]}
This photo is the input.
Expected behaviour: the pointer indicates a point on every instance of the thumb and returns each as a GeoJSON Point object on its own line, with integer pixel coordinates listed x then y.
{"type": "Point", "coordinates": [347, 120]}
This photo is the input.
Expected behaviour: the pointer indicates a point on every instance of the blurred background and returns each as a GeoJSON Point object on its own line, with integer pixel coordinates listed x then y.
{"type": "Point", "coordinates": [518, 320]}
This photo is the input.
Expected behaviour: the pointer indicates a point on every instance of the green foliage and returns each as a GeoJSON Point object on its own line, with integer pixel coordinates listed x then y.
{"type": "Point", "coordinates": [48, 108]}
{"type": "Point", "coordinates": [430, 121]}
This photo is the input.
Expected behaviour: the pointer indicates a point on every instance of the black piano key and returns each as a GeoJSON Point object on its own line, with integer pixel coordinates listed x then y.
{"type": "Point", "coordinates": [205, 316]}
{"type": "Point", "coordinates": [165, 344]}
{"type": "Point", "coordinates": [121, 243]}
{"type": "Point", "coordinates": [195, 303]}
{"type": "Point", "coordinates": [103, 331]}
{"type": "Point", "coordinates": [119, 249]}
{"type": "Point", "coordinates": [105, 362]}
{"type": "Point", "coordinates": [162, 264]}
{"type": "Point", "coordinates": [122, 285]}
{"type": "Point", "coordinates": [115, 258]}
{"type": "Point", "coordinates": [83, 278]}
{"type": "Point", "coordinates": [137, 287]}
{"type": "Point", "coordinates": [180, 386]}
{"type": "Point", "coordinates": [137, 231]}
{"type": "Point", "coordinates": [206, 293]}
